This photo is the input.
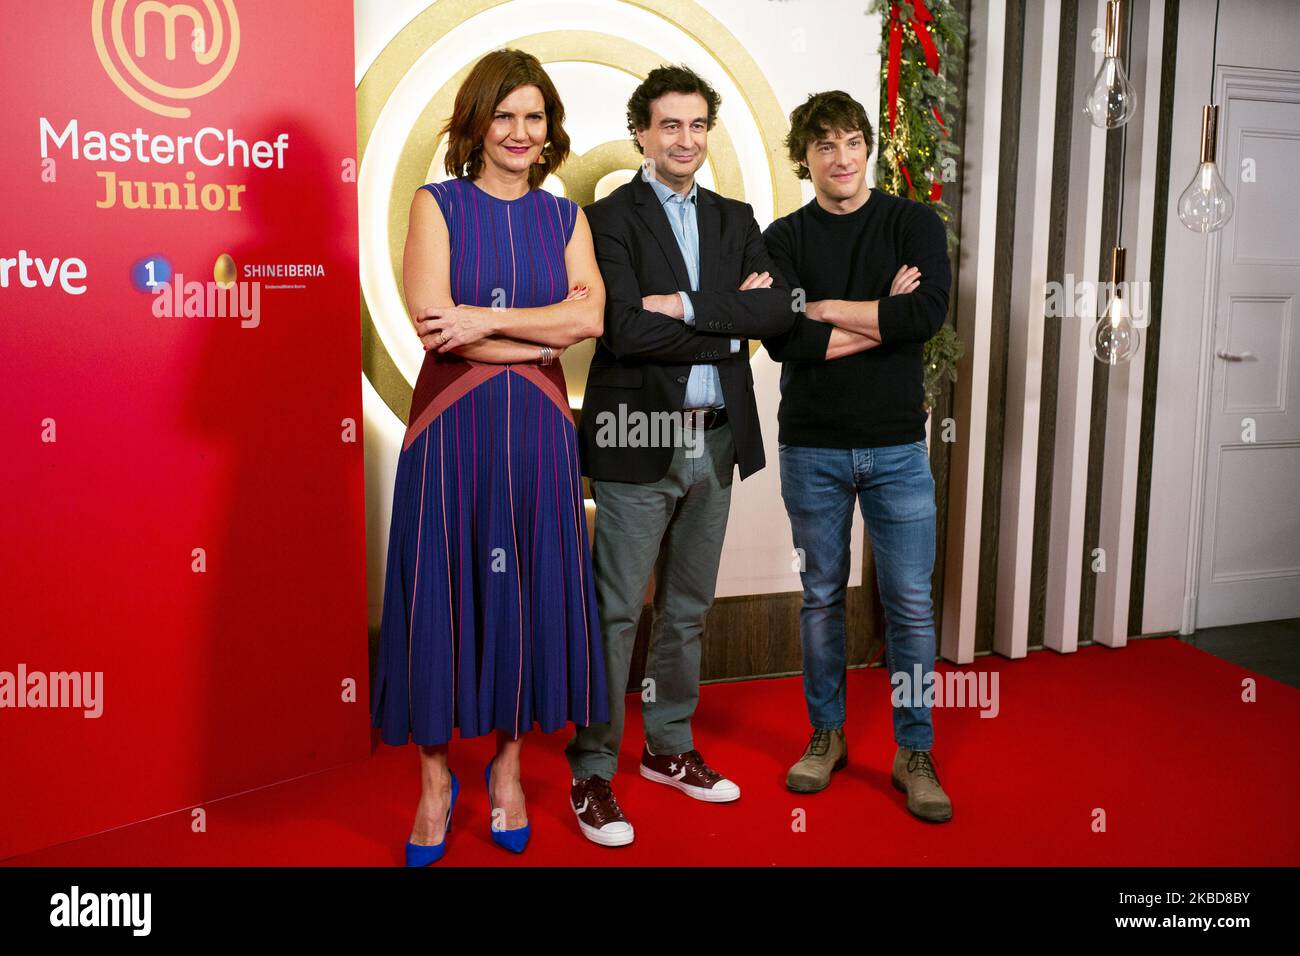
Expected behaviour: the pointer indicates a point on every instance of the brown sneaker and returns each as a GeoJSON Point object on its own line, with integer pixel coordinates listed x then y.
{"type": "Point", "coordinates": [598, 813]}
{"type": "Point", "coordinates": [690, 774]}
{"type": "Point", "coordinates": [826, 753]}
{"type": "Point", "coordinates": [914, 773]}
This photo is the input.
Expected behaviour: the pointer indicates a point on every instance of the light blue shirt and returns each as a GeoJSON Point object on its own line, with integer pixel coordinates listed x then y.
{"type": "Point", "coordinates": [704, 387]}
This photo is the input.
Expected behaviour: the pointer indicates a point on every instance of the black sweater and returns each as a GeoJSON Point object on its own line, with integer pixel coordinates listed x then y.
{"type": "Point", "coordinates": [873, 397]}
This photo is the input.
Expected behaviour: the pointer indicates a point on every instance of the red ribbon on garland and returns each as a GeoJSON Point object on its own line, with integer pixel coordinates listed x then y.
{"type": "Point", "coordinates": [920, 17]}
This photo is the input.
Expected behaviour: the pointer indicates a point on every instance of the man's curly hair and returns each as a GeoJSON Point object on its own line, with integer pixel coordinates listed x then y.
{"type": "Point", "coordinates": [817, 117]}
{"type": "Point", "coordinates": [667, 79]}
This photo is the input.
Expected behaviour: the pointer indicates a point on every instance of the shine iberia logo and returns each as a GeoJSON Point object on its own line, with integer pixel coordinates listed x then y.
{"type": "Point", "coordinates": [192, 45]}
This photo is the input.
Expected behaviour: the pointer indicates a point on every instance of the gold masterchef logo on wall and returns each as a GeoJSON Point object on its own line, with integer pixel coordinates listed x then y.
{"type": "Point", "coordinates": [408, 92]}
{"type": "Point", "coordinates": [199, 41]}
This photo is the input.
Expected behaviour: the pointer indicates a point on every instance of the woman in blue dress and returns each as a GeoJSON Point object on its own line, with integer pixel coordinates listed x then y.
{"type": "Point", "coordinates": [489, 619]}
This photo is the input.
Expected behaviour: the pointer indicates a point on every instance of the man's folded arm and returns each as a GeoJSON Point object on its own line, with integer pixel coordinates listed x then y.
{"type": "Point", "coordinates": [804, 340]}
{"type": "Point", "coordinates": [917, 315]}
{"type": "Point", "coordinates": [688, 316]}
{"type": "Point", "coordinates": [909, 317]}
{"type": "Point", "coordinates": [753, 313]}
{"type": "Point", "coordinates": [634, 332]}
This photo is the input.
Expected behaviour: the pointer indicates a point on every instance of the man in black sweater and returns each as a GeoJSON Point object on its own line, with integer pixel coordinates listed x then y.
{"type": "Point", "coordinates": [870, 274]}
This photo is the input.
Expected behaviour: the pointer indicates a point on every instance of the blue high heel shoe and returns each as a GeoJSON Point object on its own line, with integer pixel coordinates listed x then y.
{"type": "Point", "coordinates": [512, 840]}
{"type": "Point", "coordinates": [419, 855]}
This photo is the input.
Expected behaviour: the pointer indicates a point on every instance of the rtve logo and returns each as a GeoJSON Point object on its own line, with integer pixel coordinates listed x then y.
{"type": "Point", "coordinates": [142, 43]}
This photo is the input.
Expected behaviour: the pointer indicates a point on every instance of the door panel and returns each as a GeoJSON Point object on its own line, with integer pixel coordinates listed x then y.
{"type": "Point", "coordinates": [1250, 541]}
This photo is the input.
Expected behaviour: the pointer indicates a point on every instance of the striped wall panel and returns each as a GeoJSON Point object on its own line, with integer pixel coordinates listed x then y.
{"type": "Point", "coordinates": [1047, 499]}
{"type": "Point", "coordinates": [979, 199]}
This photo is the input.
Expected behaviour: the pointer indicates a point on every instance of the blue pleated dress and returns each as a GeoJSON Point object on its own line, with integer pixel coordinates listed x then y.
{"type": "Point", "coordinates": [489, 617]}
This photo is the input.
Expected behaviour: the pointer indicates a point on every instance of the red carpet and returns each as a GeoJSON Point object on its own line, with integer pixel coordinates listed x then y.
{"type": "Point", "coordinates": [1155, 734]}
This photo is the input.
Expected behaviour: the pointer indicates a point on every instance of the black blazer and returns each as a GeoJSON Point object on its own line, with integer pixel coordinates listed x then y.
{"type": "Point", "coordinates": [643, 359]}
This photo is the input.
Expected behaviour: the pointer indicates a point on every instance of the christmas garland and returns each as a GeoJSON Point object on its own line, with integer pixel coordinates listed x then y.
{"type": "Point", "coordinates": [920, 57]}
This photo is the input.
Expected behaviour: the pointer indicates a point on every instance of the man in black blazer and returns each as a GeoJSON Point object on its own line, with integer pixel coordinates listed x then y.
{"type": "Point", "coordinates": [668, 414]}
{"type": "Point", "coordinates": [644, 358]}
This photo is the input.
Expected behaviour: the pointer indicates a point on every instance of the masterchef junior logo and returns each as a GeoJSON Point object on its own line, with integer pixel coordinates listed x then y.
{"type": "Point", "coordinates": [209, 146]}
{"type": "Point", "coordinates": [162, 56]}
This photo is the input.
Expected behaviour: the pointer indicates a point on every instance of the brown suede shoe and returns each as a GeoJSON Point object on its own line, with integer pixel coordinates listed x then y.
{"type": "Point", "coordinates": [914, 773]}
{"type": "Point", "coordinates": [826, 753]}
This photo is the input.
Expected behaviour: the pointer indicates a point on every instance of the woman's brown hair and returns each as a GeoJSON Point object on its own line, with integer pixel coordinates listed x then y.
{"type": "Point", "coordinates": [491, 80]}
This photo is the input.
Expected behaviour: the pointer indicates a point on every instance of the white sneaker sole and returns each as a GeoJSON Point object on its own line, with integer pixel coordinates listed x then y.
{"type": "Point", "coordinates": [698, 793]}
{"type": "Point", "coordinates": [603, 838]}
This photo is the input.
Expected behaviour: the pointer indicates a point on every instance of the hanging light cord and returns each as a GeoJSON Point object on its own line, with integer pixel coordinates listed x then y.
{"type": "Point", "coordinates": [1214, 55]}
{"type": "Point", "coordinates": [1123, 133]}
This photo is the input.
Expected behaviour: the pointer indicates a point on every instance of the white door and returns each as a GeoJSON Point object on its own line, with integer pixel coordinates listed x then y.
{"type": "Point", "coordinates": [1250, 541]}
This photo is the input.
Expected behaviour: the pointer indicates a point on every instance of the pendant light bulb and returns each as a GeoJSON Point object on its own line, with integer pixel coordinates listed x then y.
{"type": "Point", "coordinates": [1206, 204]}
{"type": "Point", "coordinates": [1112, 99]}
{"type": "Point", "coordinates": [1115, 340]}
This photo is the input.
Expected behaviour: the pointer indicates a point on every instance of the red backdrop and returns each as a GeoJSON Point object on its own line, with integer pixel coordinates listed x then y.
{"type": "Point", "coordinates": [176, 433]}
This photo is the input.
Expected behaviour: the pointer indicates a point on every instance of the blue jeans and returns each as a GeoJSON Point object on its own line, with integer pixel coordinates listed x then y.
{"type": "Point", "coordinates": [895, 489]}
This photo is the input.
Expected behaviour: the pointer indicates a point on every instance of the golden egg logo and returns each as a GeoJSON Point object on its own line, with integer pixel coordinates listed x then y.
{"type": "Point", "coordinates": [223, 271]}
{"type": "Point", "coordinates": [162, 55]}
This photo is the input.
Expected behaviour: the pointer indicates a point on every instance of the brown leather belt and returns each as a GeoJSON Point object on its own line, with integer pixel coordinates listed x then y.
{"type": "Point", "coordinates": [705, 418]}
